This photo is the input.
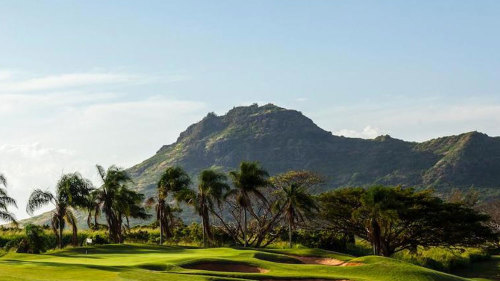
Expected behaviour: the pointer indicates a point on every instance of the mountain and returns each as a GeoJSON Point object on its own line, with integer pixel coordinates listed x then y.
{"type": "Point", "coordinates": [282, 139]}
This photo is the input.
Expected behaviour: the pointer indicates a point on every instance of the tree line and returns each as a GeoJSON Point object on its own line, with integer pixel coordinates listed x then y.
{"type": "Point", "coordinates": [254, 209]}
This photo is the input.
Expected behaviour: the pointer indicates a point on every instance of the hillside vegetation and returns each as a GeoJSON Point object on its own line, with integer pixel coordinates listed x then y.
{"type": "Point", "coordinates": [283, 139]}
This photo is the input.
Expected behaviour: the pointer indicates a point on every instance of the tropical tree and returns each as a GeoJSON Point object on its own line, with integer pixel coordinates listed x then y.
{"type": "Point", "coordinates": [116, 200]}
{"type": "Point", "coordinates": [394, 219]}
{"type": "Point", "coordinates": [211, 189]}
{"type": "Point", "coordinates": [173, 182]}
{"type": "Point", "coordinates": [247, 181]}
{"type": "Point", "coordinates": [5, 201]}
{"type": "Point", "coordinates": [72, 191]}
{"type": "Point", "coordinates": [294, 197]}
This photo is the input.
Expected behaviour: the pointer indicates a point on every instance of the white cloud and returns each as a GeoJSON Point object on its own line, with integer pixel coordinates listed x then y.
{"type": "Point", "coordinates": [413, 120]}
{"type": "Point", "coordinates": [6, 74]}
{"type": "Point", "coordinates": [29, 166]}
{"type": "Point", "coordinates": [368, 132]}
{"type": "Point", "coordinates": [55, 124]}
{"type": "Point", "coordinates": [10, 83]}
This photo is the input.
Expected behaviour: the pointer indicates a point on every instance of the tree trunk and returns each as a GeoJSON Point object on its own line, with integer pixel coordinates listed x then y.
{"type": "Point", "coordinates": [161, 230]}
{"type": "Point", "coordinates": [75, 235]}
{"type": "Point", "coordinates": [203, 232]}
{"type": "Point", "coordinates": [376, 237]}
{"type": "Point", "coordinates": [290, 233]}
{"type": "Point", "coordinates": [60, 233]}
{"type": "Point", "coordinates": [245, 228]}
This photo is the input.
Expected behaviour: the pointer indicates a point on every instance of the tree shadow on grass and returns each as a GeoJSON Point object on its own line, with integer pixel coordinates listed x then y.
{"type": "Point", "coordinates": [114, 249]}
{"type": "Point", "coordinates": [68, 265]}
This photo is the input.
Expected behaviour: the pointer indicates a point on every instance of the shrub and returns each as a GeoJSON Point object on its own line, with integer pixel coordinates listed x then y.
{"type": "Point", "coordinates": [444, 259]}
{"type": "Point", "coordinates": [323, 239]}
{"type": "Point", "coordinates": [35, 241]}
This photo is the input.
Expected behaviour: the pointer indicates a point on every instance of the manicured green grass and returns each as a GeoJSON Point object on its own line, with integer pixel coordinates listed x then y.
{"type": "Point", "coordinates": [141, 262]}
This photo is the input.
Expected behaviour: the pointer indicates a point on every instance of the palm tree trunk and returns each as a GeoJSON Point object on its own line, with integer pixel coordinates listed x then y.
{"type": "Point", "coordinates": [75, 235]}
{"type": "Point", "coordinates": [290, 233]}
{"type": "Point", "coordinates": [60, 234]}
{"type": "Point", "coordinates": [245, 228]}
{"type": "Point", "coordinates": [161, 228]}
{"type": "Point", "coordinates": [203, 230]}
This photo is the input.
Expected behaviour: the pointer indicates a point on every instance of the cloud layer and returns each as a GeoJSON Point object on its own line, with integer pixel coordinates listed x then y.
{"type": "Point", "coordinates": [49, 127]}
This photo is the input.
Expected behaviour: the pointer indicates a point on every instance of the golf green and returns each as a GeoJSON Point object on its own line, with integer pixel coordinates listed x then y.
{"type": "Point", "coordinates": [142, 262]}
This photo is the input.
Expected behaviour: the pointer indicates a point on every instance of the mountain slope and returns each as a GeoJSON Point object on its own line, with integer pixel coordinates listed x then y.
{"type": "Point", "coordinates": [282, 139]}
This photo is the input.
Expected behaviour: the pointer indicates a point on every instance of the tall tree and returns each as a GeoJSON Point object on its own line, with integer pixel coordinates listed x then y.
{"type": "Point", "coordinates": [393, 219]}
{"type": "Point", "coordinates": [116, 200]}
{"type": "Point", "coordinates": [5, 202]}
{"type": "Point", "coordinates": [211, 189]}
{"type": "Point", "coordinates": [71, 192]}
{"type": "Point", "coordinates": [173, 182]}
{"type": "Point", "coordinates": [294, 196]}
{"type": "Point", "coordinates": [247, 181]}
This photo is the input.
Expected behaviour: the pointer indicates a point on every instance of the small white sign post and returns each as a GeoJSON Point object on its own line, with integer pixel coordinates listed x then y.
{"type": "Point", "coordinates": [88, 242]}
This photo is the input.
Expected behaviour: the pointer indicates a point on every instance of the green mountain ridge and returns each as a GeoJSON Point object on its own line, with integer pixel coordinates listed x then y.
{"type": "Point", "coordinates": [282, 139]}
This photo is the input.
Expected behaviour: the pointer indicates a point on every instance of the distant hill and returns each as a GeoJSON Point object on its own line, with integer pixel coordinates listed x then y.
{"type": "Point", "coordinates": [282, 139]}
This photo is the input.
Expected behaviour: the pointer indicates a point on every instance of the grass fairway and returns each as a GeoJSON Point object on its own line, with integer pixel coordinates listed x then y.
{"type": "Point", "coordinates": [140, 262]}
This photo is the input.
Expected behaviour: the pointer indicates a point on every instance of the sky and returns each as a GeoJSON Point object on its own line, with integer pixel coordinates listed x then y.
{"type": "Point", "coordinates": [110, 82]}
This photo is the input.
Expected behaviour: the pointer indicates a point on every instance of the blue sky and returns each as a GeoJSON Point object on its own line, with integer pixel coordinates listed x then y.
{"type": "Point", "coordinates": [109, 82]}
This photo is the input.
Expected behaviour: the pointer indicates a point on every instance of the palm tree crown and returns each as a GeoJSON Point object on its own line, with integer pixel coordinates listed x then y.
{"type": "Point", "coordinates": [211, 189]}
{"type": "Point", "coordinates": [247, 181]}
{"type": "Point", "coordinates": [174, 181]}
{"type": "Point", "coordinates": [294, 198]}
{"type": "Point", "coordinates": [72, 191]}
{"type": "Point", "coordinates": [116, 200]}
{"type": "Point", "coordinates": [5, 202]}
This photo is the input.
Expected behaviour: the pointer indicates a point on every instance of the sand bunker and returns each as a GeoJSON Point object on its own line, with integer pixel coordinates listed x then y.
{"type": "Point", "coordinates": [226, 267]}
{"type": "Point", "coordinates": [325, 261]}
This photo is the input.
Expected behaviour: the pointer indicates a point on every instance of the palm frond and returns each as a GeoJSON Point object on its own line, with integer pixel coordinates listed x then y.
{"type": "Point", "coordinates": [37, 199]}
{"type": "Point", "coordinates": [3, 180]}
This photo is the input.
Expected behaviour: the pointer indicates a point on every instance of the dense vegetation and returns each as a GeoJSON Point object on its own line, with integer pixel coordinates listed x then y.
{"type": "Point", "coordinates": [258, 209]}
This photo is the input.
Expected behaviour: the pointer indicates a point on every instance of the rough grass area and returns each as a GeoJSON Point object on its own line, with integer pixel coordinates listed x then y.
{"type": "Point", "coordinates": [140, 262]}
{"type": "Point", "coordinates": [486, 270]}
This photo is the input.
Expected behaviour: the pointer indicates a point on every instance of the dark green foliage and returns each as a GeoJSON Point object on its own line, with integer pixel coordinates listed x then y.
{"type": "Point", "coordinates": [72, 191]}
{"type": "Point", "coordinates": [117, 200]}
{"type": "Point", "coordinates": [323, 239]}
{"type": "Point", "coordinates": [294, 198]}
{"type": "Point", "coordinates": [173, 182]}
{"type": "Point", "coordinates": [247, 181]}
{"type": "Point", "coordinates": [394, 219]}
{"type": "Point", "coordinates": [211, 189]}
{"type": "Point", "coordinates": [5, 202]}
{"type": "Point", "coordinates": [35, 241]}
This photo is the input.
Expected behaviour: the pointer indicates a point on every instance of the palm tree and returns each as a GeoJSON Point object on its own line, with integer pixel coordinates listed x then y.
{"type": "Point", "coordinates": [71, 192]}
{"type": "Point", "coordinates": [378, 207]}
{"type": "Point", "coordinates": [211, 189]}
{"type": "Point", "coordinates": [247, 181]}
{"type": "Point", "coordinates": [297, 203]}
{"type": "Point", "coordinates": [174, 181]}
{"type": "Point", "coordinates": [116, 200]}
{"type": "Point", "coordinates": [5, 201]}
